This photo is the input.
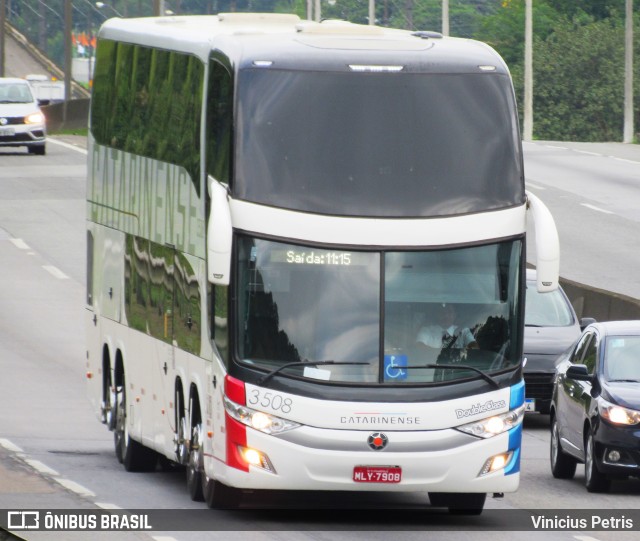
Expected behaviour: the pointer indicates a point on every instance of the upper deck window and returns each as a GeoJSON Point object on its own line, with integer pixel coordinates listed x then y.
{"type": "Point", "coordinates": [377, 144]}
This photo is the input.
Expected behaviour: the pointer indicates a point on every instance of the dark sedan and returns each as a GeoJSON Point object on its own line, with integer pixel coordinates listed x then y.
{"type": "Point", "coordinates": [595, 410]}
{"type": "Point", "coordinates": [551, 328]}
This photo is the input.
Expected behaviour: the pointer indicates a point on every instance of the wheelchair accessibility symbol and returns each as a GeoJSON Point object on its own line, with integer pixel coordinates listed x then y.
{"type": "Point", "coordinates": [393, 367]}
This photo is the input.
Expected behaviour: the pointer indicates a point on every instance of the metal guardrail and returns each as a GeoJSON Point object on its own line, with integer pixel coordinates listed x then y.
{"type": "Point", "coordinates": [78, 90]}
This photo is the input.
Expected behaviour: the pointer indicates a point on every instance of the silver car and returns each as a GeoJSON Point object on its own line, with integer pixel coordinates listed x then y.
{"type": "Point", "coordinates": [22, 123]}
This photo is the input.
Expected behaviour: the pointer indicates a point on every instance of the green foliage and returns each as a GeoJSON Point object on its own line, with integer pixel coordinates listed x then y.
{"type": "Point", "coordinates": [578, 48]}
{"type": "Point", "coordinates": [504, 29]}
{"type": "Point", "coordinates": [578, 64]}
{"type": "Point", "coordinates": [579, 83]}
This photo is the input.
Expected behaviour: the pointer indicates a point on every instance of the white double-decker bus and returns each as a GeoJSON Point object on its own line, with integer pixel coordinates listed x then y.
{"type": "Point", "coordinates": [284, 220]}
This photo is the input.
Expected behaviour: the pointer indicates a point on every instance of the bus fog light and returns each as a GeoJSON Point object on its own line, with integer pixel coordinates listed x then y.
{"type": "Point", "coordinates": [253, 457]}
{"type": "Point", "coordinates": [495, 463]}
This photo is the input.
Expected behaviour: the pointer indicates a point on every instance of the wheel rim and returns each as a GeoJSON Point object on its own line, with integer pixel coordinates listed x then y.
{"type": "Point", "coordinates": [119, 430]}
{"type": "Point", "coordinates": [182, 452]}
{"type": "Point", "coordinates": [588, 463]}
{"type": "Point", "coordinates": [195, 453]}
{"type": "Point", "coordinates": [112, 408]}
{"type": "Point", "coordinates": [555, 444]}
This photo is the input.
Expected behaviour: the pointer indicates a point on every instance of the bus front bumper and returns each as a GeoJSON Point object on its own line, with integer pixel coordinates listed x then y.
{"type": "Point", "coordinates": [435, 461]}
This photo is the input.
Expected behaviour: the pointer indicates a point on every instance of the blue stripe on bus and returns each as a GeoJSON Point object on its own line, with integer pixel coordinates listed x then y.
{"type": "Point", "coordinates": [515, 441]}
{"type": "Point", "coordinates": [515, 434]}
{"type": "Point", "coordinates": [517, 395]}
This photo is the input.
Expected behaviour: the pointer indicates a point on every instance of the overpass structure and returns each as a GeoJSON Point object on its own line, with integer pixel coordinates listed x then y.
{"type": "Point", "coordinates": [22, 58]}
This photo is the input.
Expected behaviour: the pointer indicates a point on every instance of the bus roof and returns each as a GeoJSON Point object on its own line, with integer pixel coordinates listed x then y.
{"type": "Point", "coordinates": [288, 42]}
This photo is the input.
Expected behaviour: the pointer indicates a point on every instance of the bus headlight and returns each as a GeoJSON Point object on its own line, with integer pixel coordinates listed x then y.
{"type": "Point", "coordinates": [494, 425]}
{"type": "Point", "coordinates": [264, 422]}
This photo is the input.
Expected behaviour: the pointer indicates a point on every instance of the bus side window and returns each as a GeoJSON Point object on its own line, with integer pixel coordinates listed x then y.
{"type": "Point", "coordinates": [219, 123]}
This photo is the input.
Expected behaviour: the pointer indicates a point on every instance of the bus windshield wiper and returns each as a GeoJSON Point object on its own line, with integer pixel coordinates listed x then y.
{"type": "Point", "coordinates": [482, 374]}
{"type": "Point", "coordinates": [268, 376]}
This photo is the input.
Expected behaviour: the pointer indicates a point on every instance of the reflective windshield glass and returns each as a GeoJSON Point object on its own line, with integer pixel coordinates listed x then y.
{"type": "Point", "coordinates": [299, 304]}
{"type": "Point", "coordinates": [550, 309]}
{"type": "Point", "coordinates": [401, 144]}
{"type": "Point", "coordinates": [622, 358]}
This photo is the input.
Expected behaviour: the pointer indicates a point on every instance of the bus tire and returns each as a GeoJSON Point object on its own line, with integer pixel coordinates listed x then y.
{"type": "Point", "coordinates": [220, 496]}
{"type": "Point", "coordinates": [181, 447]}
{"type": "Point", "coordinates": [195, 464]}
{"type": "Point", "coordinates": [466, 503]}
{"type": "Point", "coordinates": [133, 455]}
{"type": "Point", "coordinates": [118, 408]}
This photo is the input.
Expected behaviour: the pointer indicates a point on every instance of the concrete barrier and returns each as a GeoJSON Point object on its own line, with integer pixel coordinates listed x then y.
{"type": "Point", "coordinates": [600, 304]}
{"type": "Point", "coordinates": [77, 115]}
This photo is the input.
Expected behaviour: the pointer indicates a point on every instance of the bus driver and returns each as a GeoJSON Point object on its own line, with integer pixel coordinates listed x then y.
{"type": "Point", "coordinates": [445, 334]}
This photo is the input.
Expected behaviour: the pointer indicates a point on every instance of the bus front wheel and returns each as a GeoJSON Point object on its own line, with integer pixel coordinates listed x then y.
{"type": "Point", "coordinates": [220, 496]}
{"type": "Point", "coordinates": [468, 503]}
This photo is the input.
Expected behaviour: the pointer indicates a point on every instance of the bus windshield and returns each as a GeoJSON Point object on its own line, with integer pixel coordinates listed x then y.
{"type": "Point", "coordinates": [387, 316]}
{"type": "Point", "coordinates": [393, 145]}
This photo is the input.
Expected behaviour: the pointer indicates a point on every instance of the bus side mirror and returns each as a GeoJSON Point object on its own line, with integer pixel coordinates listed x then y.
{"type": "Point", "coordinates": [219, 235]}
{"type": "Point", "coordinates": [547, 245]}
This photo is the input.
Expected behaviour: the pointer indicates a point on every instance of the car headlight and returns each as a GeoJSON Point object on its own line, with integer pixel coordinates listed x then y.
{"type": "Point", "coordinates": [264, 422]}
{"type": "Point", "coordinates": [618, 415]}
{"type": "Point", "coordinates": [494, 425]}
{"type": "Point", "coordinates": [34, 118]}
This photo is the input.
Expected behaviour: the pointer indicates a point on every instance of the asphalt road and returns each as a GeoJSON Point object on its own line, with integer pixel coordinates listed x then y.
{"type": "Point", "coordinates": [593, 192]}
{"type": "Point", "coordinates": [55, 454]}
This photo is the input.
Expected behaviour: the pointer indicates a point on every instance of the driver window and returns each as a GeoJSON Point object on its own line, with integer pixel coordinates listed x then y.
{"type": "Point", "coordinates": [581, 348]}
{"type": "Point", "coordinates": [590, 355]}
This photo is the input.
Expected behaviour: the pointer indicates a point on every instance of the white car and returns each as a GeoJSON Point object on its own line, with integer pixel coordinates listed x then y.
{"type": "Point", "coordinates": [22, 123]}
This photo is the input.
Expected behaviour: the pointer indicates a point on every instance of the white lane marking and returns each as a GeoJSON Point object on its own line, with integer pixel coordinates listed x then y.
{"type": "Point", "coordinates": [42, 468]}
{"type": "Point", "coordinates": [535, 186]}
{"type": "Point", "coordinates": [585, 538]}
{"type": "Point", "coordinates": [74, 487]}
{"type": "Point", "coordinates": [67, 145]}
{"type": "Point", "coordinates": [55, 271]}
{"type": "Point", "coordinates": [108, 505]}
{"type": "Point", "coordinates": [53, 474]}
{"type": "Point", "coordinates": [589, 153]}
{"type": "Point", "coordinates": [20, 244]}
{"type": "Point", "coordinates": [10, 446]}
{"type": "Point", "coordinates": [163, 538]}
{"type": "Point", "coordinates": [598, 209]}
{"type": "Point", "coordinates": [626, 160]}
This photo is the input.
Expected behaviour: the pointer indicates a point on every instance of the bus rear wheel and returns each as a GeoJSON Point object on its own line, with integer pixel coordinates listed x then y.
{"type": "Point", "coordinates": [133, 455]}
{"type": "Point", "coordinates": [195, 465]}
